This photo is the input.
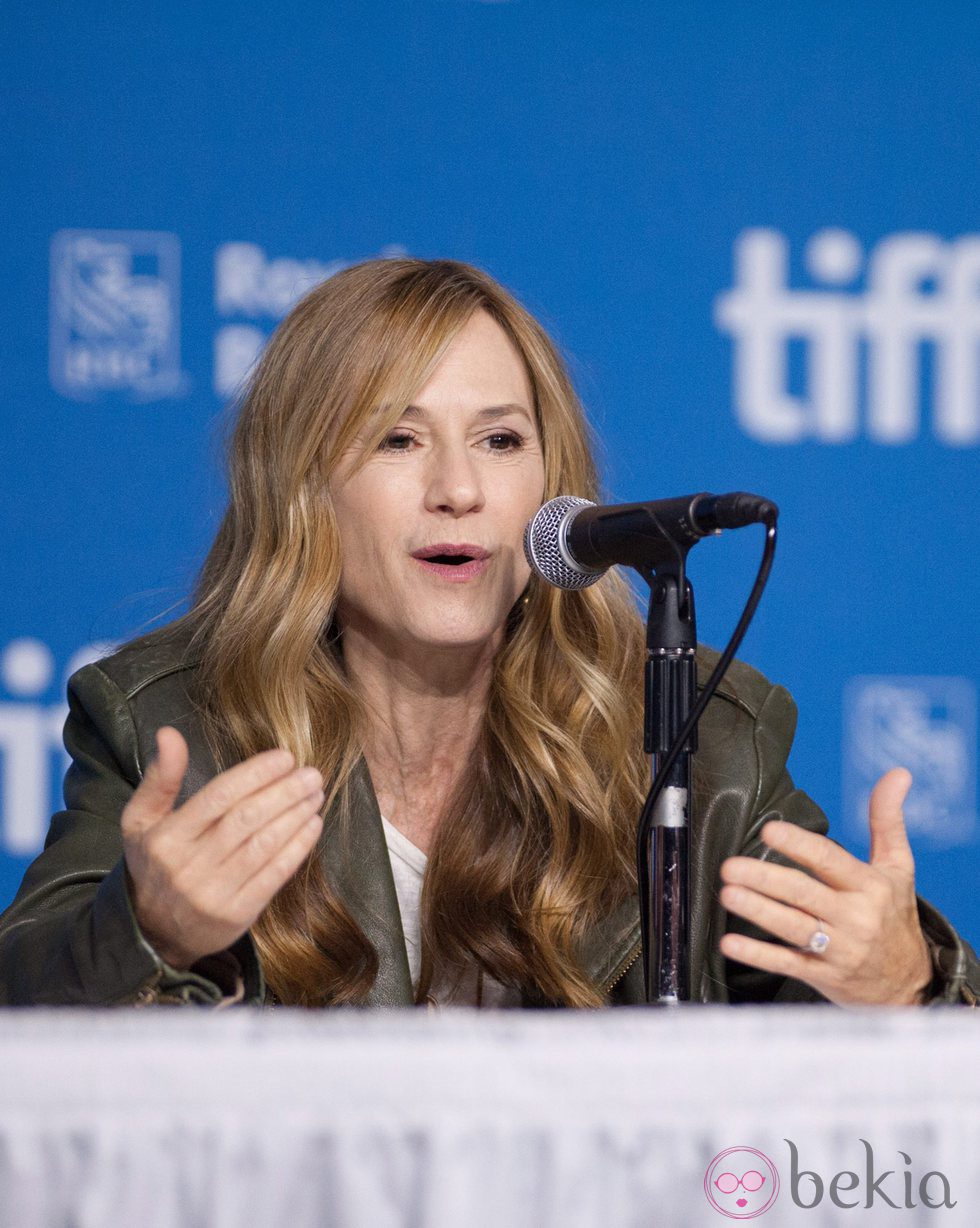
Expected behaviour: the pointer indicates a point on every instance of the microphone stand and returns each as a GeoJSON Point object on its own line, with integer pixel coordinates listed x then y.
{"type": "Point", "coordinates": [655, 539]}
{"type": "Point", "coordinates": [664, 832]}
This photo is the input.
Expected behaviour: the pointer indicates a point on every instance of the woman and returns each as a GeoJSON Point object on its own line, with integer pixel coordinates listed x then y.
{"type": "Point", "coordinates": [366, 640]}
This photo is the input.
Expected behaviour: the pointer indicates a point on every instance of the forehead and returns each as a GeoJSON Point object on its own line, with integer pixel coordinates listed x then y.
{"type": "Point", "coordinates": [481, 368]}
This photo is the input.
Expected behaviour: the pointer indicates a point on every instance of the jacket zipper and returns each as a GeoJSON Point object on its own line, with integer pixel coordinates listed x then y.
{"type": "Point", "coordinates": [623, 968]}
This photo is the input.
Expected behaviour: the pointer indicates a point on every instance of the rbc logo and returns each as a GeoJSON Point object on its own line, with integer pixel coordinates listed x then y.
{"type": "Point", "coordinates": [31, 753]}
{"type": "Point", "coordinates": [920, 291]}
{"type": "Point", "coordinates": [928, 725]}
{"type": "Point", "coordinates": [115, 314]}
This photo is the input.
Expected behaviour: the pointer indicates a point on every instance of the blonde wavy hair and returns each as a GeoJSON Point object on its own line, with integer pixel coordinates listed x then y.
{"type": "Point", "coordinates": [538, 841]}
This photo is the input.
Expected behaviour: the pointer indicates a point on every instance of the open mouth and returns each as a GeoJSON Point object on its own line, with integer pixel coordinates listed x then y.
{"type": "Point", "coordinates": [450, 554]}
{"type": "Point", "coordinates": [448, 560]}
{"type": "Point", "coordinates": [451, 561]}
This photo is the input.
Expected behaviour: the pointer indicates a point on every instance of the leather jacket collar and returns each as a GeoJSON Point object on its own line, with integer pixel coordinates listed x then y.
{"type": "Point", "coordinates": [360, 870]}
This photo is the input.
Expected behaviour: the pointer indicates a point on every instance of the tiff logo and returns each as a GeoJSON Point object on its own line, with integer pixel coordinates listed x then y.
{"type": "Point", "coordinates": [32, 760]}
{"type": "Point", "coordinates": [919, 292]}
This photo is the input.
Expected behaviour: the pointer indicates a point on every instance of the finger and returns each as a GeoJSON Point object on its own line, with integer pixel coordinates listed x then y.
{"type": "Point", "coordinates": [772, 957]}
{"type": "Point", "coordinates": [257, 891]}
{"type": "Point", "coordinates": [157, 791]}
{"type": "Point", "coordinates": [792, 887]}
{"type": "Point", "coordinates": [889, 840]}
{"type": "Point", "coordinates": [253, 822]}
{"type": "Point", "coordinates": [219, 795]}
{"type": "Point", "coordinates": [827, 860]}
{"type": "Point", "coordinates": [267, 842]}
{"type": "Point", "coordinates": [780, 920]}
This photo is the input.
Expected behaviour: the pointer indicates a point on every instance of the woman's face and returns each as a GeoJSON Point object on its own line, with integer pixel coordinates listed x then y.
{"type": "Point", "coordinates": [432, 526]}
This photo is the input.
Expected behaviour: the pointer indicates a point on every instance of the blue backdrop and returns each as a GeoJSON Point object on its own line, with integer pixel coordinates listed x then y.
{"type": "Point", "coordinates": [752, 228]}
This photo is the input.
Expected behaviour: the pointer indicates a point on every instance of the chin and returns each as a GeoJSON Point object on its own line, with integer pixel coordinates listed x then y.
{"type": "Point", "coordinates": [462, 634]}
{"type": "Point", "coordinates": [461, 640]}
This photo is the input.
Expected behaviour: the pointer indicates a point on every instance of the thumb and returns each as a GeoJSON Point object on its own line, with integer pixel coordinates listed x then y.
{"type": "Point", "coordinates": [889, 842]}
{"type": "Point", "coordinates": [162, 779]}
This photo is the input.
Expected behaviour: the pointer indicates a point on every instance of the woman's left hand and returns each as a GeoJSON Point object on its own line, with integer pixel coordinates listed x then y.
{"type": "Point", "coordinates": [876, 953]}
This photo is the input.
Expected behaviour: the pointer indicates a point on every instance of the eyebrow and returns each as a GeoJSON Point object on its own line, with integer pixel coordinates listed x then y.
{"type": "Point", "coordinates": [490, 414]}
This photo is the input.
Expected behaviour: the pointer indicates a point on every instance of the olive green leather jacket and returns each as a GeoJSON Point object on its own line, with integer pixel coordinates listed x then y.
{"type": "Point", "coordinates": [70, 935]}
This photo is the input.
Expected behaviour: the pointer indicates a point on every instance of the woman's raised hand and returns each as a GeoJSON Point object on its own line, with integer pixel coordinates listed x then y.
{"type": "Point", "coordinates": [873, 950]}
{"type": "Point", "coordinates": [200, 875]}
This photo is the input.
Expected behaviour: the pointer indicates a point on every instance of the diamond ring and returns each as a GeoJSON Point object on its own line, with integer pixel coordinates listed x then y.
{"type": "Point", "coordinates": [819, 940]}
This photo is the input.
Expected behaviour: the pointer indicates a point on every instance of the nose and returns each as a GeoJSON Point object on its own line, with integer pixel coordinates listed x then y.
{"type": "Point", "coordinates": [454, 483]}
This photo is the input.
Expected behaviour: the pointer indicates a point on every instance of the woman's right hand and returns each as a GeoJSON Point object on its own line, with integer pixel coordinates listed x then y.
{"type": "Point", "coordinates": [201, 875]}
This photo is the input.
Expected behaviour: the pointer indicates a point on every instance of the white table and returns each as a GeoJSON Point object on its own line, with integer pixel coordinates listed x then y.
{"type": "Point", "coordinates": [182, 1118]}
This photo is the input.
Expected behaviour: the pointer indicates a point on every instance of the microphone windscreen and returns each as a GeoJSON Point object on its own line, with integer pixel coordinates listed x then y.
{"type": "Point", "coordinates": [544, 544]}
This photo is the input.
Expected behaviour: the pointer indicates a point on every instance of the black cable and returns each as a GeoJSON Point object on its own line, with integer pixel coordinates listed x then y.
{"type": "Point", "coordinates": [714, 680]}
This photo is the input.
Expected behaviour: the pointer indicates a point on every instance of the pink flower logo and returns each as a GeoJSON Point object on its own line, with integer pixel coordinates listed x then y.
{"type": "Point", "coordinates": [741, 1182]}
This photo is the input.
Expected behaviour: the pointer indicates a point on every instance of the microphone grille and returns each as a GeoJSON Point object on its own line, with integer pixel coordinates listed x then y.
{"type": "Point", "coordinates": [544, 542]}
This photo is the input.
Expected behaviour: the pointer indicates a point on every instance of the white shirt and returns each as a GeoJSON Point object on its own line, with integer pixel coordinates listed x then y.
{"type": "Point", "coordinates": [408, 868]}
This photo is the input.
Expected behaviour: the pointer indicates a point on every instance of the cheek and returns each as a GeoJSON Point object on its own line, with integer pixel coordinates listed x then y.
{"type": "Point", "coordinates": [522, 499]}
{"type": "Point", "coordinates": [370, 515]}
{"type": "Point", "coordinates": [526, 495]}
{"type": "Point", "coordinates": [366, 542]}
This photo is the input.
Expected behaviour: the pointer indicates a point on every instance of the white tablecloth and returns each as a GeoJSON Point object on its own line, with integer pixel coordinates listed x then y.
{"type": "Point", "coordinates": [184, 1119]}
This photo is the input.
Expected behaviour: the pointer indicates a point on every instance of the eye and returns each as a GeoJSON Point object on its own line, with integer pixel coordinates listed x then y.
{"type": "Point", "coordinates": [397, 441]}
{"type": "Point", "coordinates": [504, 441]}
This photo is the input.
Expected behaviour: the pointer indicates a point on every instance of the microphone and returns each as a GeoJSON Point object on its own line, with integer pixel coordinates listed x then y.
{"type": "Point", "coordinates": [571, 542]}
